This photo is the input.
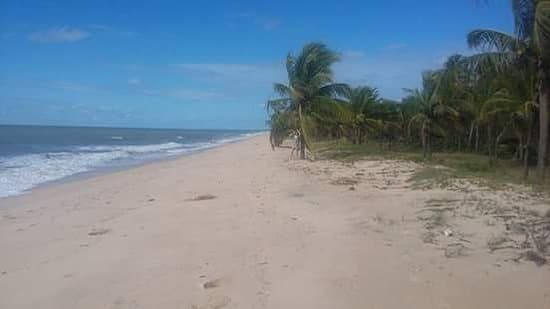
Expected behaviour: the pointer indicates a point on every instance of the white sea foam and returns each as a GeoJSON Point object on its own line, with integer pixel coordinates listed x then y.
{"type": "Point", "coordinates": [23, 172]}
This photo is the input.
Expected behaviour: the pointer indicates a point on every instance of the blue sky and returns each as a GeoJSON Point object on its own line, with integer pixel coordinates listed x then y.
{"type": "Point", "coordinates": [210, 64]}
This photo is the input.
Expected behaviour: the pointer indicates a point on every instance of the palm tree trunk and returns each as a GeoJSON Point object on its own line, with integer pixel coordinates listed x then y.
{"type": "Point", "coordinates": [477, 139]}
{"type": "Point", "coordinates": [497, 142]}
{"type": "Point", "coordinates": [490, 140]}
{"type": "Point", "coordinates": [544, 94]}
{"type": "Point", "coordinates": [519, 151]}
{"type": "Point", "coordinates": [424, 140]}
{"type": "Point", "coordinates": [303, 134]}
{"type": "Point", "coordinates": [471, 135]}
{"type": "Point", "coordinates": [429, 144]}
{"type": "Point", "coordinates": [302, 147]}
{"type": "Point", "coordinates": [526, 145]}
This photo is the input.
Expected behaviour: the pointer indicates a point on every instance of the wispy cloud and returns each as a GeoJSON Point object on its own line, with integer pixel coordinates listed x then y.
{"type": "Point", "coordinates": [136, 87]}
{"type": "Point", "coordinates": [186, 95]}
{"type": "Point", "coordinates": [269, 23]}
{"type": "Point", "coordinates": [263, 22]}
{"type": "Point", "coordinates": [134, 81]}
{"type": "Point", "coordinates": [59, 35]}
{"type": "Point", "coordinates": [390, 69]}
{"type": "Point", "coordinates": [234, 73]}
{"type": "Point", "coordinates": [396, 46]}
{"type": "Point", "coordinates": [111, 29]}
{"type": "Point", "coordinates": [224, 69]}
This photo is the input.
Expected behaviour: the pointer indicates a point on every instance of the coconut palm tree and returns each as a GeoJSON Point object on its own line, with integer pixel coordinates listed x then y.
{"type": "Point", "coordinates": [530, 46]}
{"type": "Point", "coordinates": [310, 84]}
{"type": "Point", "coordinates": [431, 110]}
{"type": "Point", "coordinates": [361, 100]}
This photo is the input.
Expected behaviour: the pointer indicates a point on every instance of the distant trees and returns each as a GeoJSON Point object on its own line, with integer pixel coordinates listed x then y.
{"type": "Point", "coordinates": [489, 103]}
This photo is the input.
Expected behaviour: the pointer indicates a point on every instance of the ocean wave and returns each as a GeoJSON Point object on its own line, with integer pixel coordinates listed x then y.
{"type": "Point", "coordinates": [23, 172]}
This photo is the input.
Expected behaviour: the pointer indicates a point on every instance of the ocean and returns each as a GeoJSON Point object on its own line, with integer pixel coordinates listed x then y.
{"type": "Point", "coordinates": [34, 155]}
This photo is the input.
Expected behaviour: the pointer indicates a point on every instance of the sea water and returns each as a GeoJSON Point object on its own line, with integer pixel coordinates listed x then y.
{"type": "Point", "coordinates": [34, 155]}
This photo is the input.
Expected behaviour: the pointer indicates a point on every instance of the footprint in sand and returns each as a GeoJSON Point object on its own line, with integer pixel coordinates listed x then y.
{"type": "Point", "coordinates": [214, 283]}
{"type": "Point", "coordinates": [98, 232]}
{"type": "Point", "coordinates": [202, 197]}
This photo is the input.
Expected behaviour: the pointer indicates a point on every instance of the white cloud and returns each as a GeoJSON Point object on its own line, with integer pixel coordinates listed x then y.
{"type": "Point", "coordinates": [59, 35]}
{"type": "Point", "coordinates": [134, 81]}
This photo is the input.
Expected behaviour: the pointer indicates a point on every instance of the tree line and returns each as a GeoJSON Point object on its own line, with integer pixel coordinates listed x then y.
{"type": "Point", "coordinates": [494, 102]}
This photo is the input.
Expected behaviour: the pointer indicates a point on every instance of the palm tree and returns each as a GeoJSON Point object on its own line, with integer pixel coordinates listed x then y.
{"type": "Point", "coordinates": [310, 84]}
{"type": "Point", "coordinates": [431, 110]}
{"type": "Point", "coordinates": [529, 47]}
{"type": "Point", "coordinates": [361, 99]}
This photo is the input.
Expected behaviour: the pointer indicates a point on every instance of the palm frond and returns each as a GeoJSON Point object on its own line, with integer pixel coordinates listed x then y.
{"type": "Point", "coordinates": [524, 17]}
{"type": "Point", "coordinates": [278, 105]}
{"type": "Point", "coordinates": [542, 29]}
{"type": "Point", "coordinates": [338, 90]}
{"type": "Point", "coordinates": [492, 40]}
{"type": "Point", "coordinates": [489, 62]}
{"type": "Point", "coordinates": [282, 90]}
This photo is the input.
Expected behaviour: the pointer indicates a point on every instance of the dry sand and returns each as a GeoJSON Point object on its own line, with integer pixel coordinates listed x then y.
{"type": "Point", "coordinates": [240, 226]}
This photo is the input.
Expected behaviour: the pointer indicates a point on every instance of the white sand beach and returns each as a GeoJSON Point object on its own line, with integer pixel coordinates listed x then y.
{"type": "Point", "coordinates": [241, 226]}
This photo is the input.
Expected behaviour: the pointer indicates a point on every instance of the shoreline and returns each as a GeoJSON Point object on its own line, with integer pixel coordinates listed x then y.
{"type": "Point", "coordinates": [241, 226]}
{"type": "Point", "coordinates": [106, 170]}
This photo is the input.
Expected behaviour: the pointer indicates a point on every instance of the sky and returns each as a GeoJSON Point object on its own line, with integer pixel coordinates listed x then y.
{"type": "Point", "coordinates": [211, 64]}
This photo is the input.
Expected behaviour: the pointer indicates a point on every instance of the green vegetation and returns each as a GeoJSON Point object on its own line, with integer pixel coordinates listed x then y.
{"type": "Point", "coordinates": [440, 170]}
{"type": "Point", "coordinates": [485, 114]}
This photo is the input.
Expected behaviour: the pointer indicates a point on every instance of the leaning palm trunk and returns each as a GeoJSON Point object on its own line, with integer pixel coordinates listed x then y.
{"type": "Point", "coordinates": [544, 96]}
{"type": "Point", "coordinates": [304, 139]}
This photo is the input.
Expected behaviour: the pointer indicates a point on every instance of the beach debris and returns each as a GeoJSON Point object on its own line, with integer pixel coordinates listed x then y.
{"type": "Point", "coordinates": [429, 237]}
{"type": "Point", "coordinates": [454, 250]}
{"type": "Point", "coordinates": [352, 188]}
{"type": "Point", "coordinates": [202, 197]}
{"type": "Point", "coordinates": [151, 200]}
{"type": "Point", "coordinates": [98, 232]}
{"type": "Point", "coordinates": [212, 284]}
{"type": "Point", "coordinates": [534, 257]}
{"type": "Point", "coordinates": [496, 242]}
{"type": "Point", "coordinates": [345, 181]}
{"type": "Point", "coordinates": [448, 232]}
